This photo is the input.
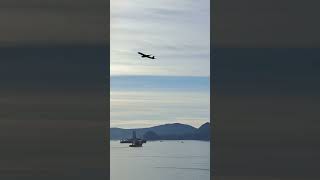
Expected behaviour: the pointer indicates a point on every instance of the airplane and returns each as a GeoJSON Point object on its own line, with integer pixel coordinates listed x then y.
{"type": "Point", "coordinates": [146, 55]}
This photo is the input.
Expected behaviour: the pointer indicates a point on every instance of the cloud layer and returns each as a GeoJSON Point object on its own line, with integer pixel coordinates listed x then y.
{"type": "Point", "coordinates": [177, 33]}
{"type": "Point", "coordinates": [149, 101]}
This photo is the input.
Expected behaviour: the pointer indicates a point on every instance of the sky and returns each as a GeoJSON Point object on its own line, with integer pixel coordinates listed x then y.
{"type": "Point", "coordinates": [173, 88]}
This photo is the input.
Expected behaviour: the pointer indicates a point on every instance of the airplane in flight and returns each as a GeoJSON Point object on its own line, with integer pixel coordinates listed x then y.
{"type": "Point", "coordinates": [146, 55]}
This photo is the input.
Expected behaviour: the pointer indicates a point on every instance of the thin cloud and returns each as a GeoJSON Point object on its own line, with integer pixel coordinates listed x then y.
{"type": "Point", "coordinates": [175, 32]}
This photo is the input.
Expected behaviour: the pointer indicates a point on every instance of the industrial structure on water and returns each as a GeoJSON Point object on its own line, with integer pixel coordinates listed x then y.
{"type": "Point", "coordinates": [135, 142]}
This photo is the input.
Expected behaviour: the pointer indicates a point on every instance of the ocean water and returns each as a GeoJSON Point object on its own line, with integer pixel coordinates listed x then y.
{"type": "Point", "coordinates": [169, 160]}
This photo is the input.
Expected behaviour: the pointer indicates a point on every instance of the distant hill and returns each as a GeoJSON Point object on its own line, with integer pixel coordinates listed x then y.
{"type": "Point", "coordinates": [203, 133]}
{"type": "Point", "coordinates": [150, 135]}
{"type": "Point", "coordinates": [174, 131]}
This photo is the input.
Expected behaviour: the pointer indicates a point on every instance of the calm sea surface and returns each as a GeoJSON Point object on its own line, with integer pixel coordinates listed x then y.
{"type": "Point", "coordinates": [166, 160]}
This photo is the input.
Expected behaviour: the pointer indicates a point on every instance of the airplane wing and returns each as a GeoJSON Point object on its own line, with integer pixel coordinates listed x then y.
{"type": "Point", "coordinates": [141, 53]}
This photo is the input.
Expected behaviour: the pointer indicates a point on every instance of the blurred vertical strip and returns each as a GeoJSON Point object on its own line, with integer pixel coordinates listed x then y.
{"type": "Point", "coordinates": [54, 90]}
{"type": "Point", "coordinates": [267, 89]}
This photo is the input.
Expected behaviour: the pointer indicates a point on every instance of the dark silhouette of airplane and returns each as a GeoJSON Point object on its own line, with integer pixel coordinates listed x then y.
{"type": "Point", "coordinates": [146, 55]}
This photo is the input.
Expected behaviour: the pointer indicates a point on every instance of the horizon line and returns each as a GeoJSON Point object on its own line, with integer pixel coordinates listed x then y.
{"type": "Point", "coordinates": [161, 125]}
{"type": "Point", "coordinates": [146, 75]}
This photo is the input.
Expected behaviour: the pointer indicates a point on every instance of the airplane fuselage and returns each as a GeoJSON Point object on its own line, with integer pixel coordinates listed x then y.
{"type": "Point", "coordinates": [146, 55]}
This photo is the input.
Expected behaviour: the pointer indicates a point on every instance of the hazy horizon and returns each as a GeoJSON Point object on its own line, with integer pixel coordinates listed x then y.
{"type": "Point", "coordinates": [169, 122]}
{"type": "Point", "coordinates": [149, 101]}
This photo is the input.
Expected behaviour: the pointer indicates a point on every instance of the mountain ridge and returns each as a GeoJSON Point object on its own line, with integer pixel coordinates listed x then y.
{"type": "Point", "coordinates": [174, 131]}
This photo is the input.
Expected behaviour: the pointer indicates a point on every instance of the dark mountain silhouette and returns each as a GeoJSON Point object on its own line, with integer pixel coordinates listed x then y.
{"type": "Point", "coordinates": [176, 128]}
{"type": "Point", "coordinates": [203, 133]}
{"type": "Point", "coordinates": [174, 131]}
{"type": "Point", "coordinates": [150, 135]}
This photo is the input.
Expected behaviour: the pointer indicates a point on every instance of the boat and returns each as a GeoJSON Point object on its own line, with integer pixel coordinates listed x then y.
{"type": "Point", "coordinates": [131, 140]}
{"type": "Point", "coordinates": [134, 140]}
{"type": "Point", "coordinates": [136, 143]}
{"type": "Point", "coordinates": [126, 141]}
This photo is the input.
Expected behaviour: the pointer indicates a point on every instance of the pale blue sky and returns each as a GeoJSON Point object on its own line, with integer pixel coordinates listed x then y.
{"type": "Point", "coordinates": [175, 87]}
